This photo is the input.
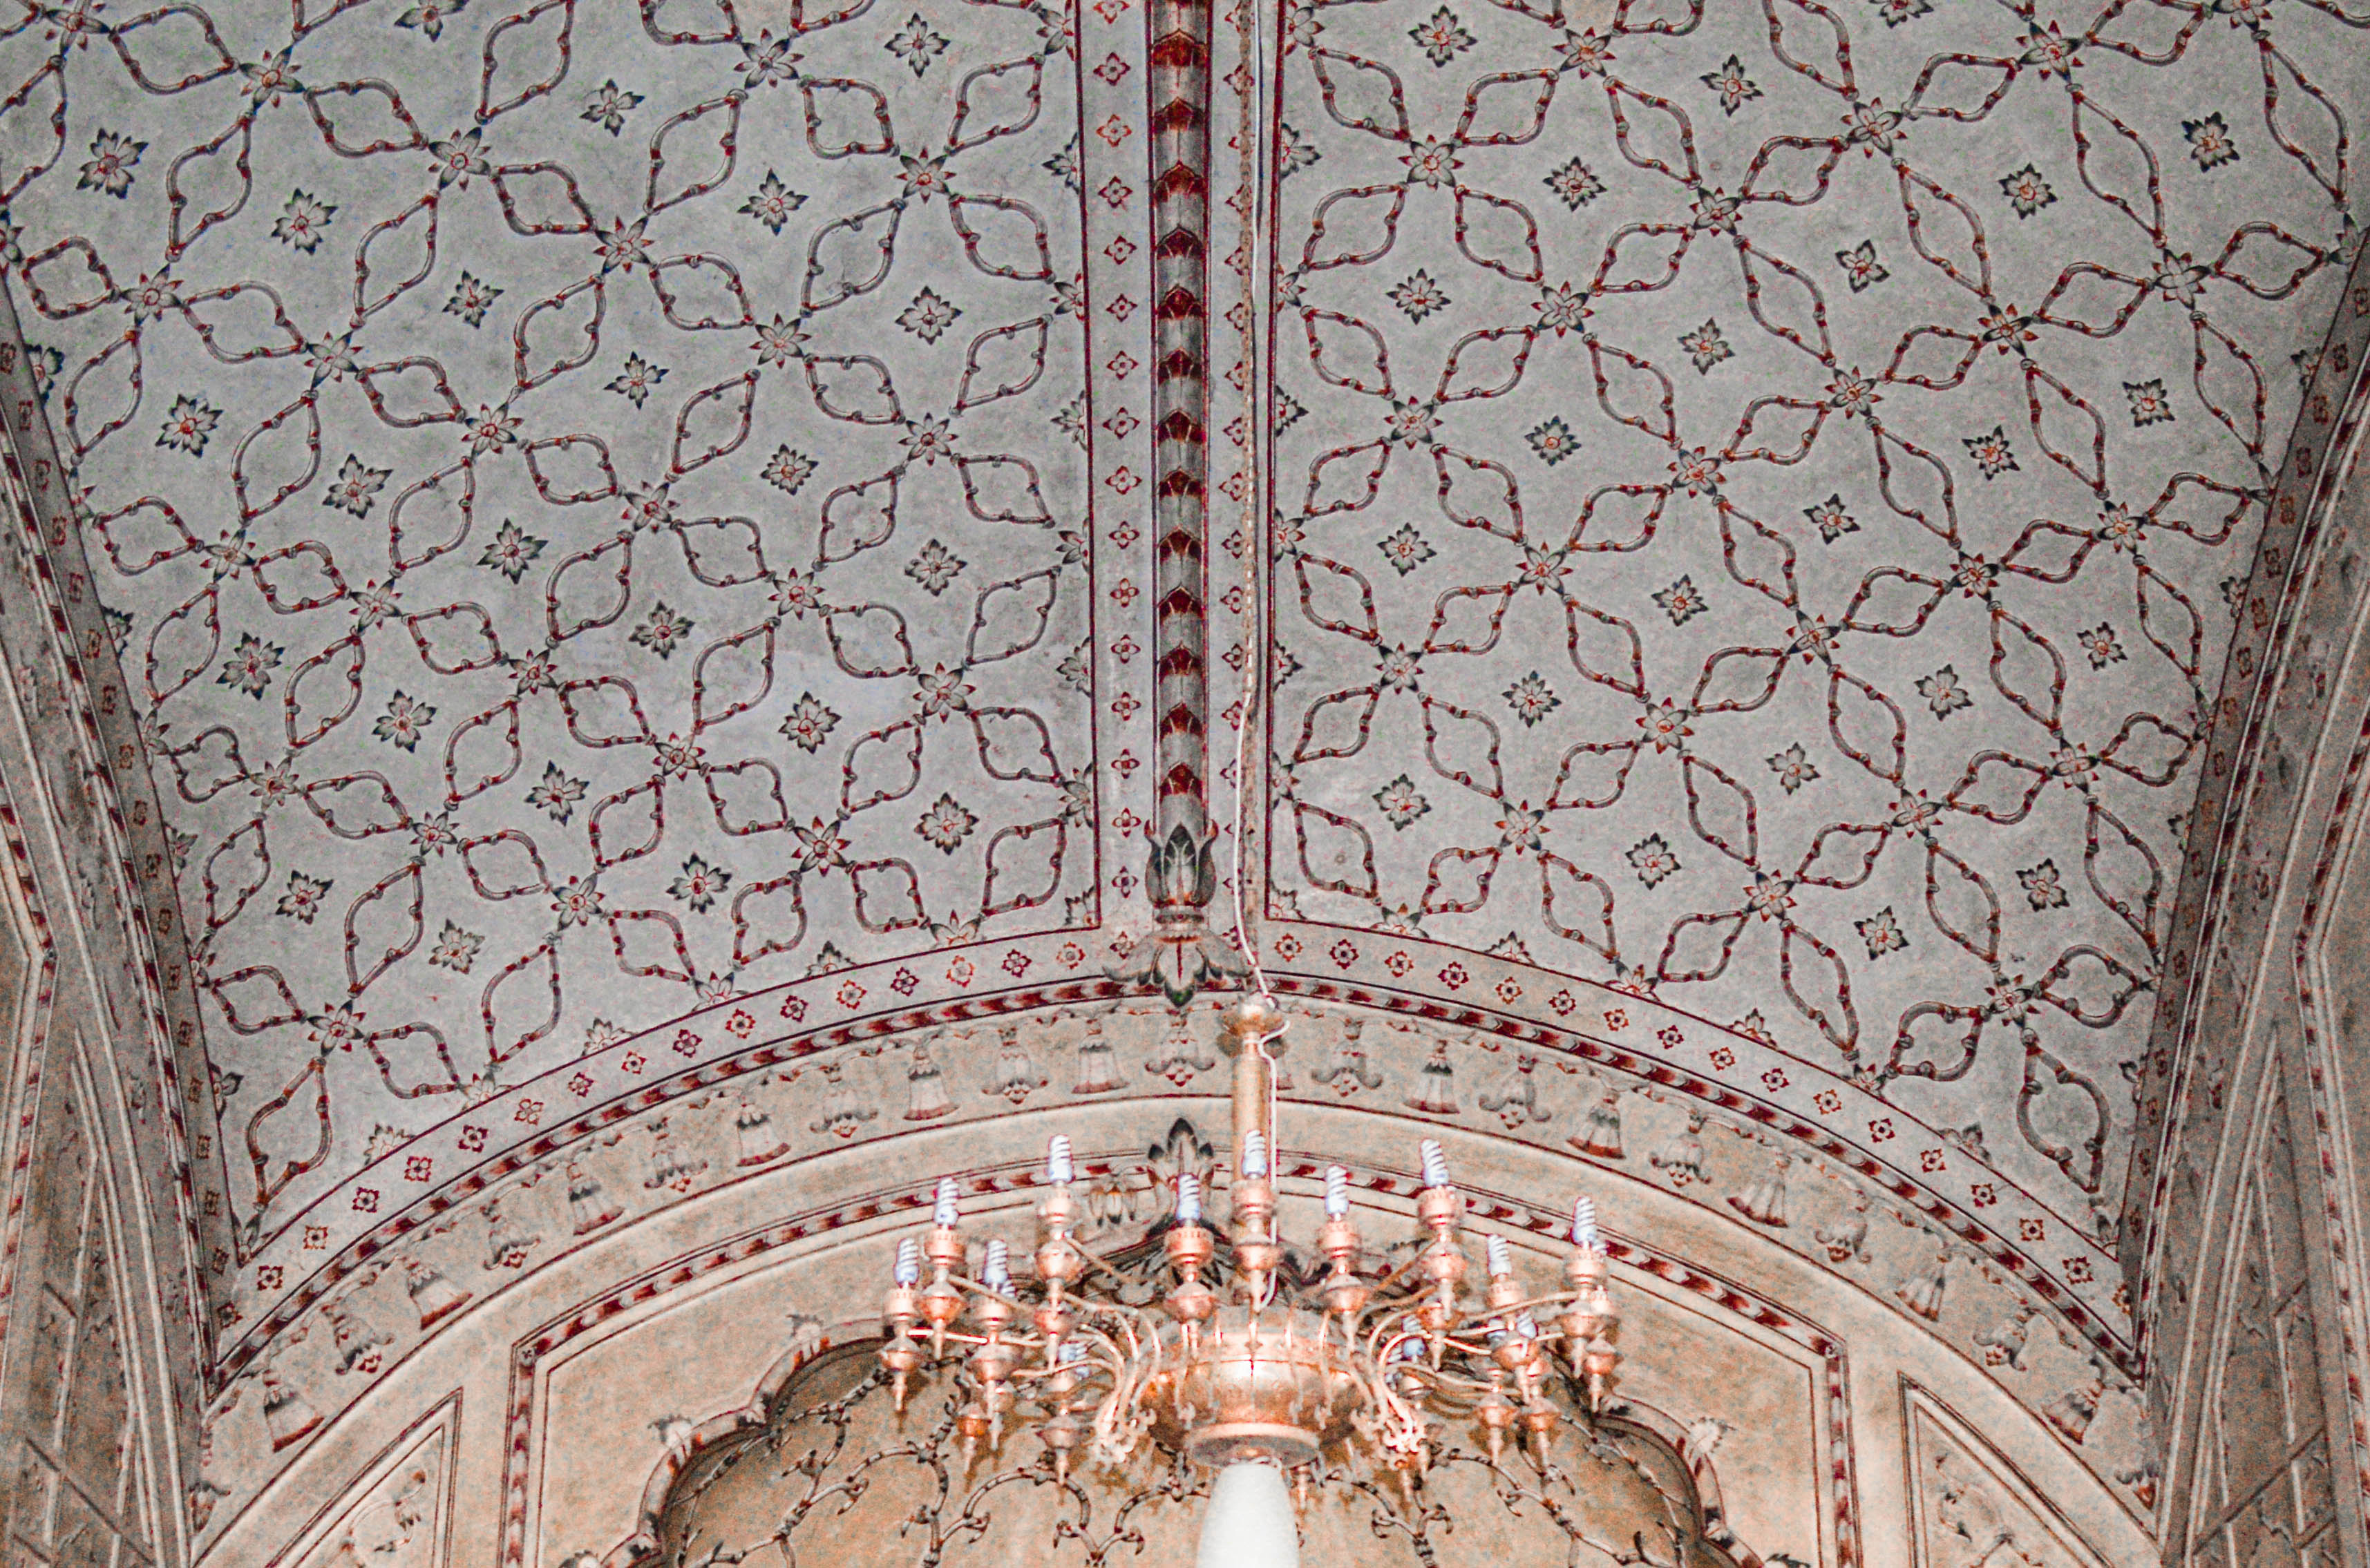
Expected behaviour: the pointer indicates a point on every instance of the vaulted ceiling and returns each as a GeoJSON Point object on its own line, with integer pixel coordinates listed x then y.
{"type": "Point", "coordinates": [628, 529]}
{"type": "Point", "coordinates": [1770, 501]}
{"type": "Point", "coordinates": [546, 553]}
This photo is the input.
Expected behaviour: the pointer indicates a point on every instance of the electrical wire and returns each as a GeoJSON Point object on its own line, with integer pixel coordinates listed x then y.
{"type": "Point", "coordinates": [1255, 652]}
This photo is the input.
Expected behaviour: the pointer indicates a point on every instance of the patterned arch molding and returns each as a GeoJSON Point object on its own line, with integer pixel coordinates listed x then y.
{"type": "Point", "coordinates": [528, 1352]}
{"type": "Point", "coordinates": [2264, 682]}
{"type": "Point", "coordinates": [456, 1160]}
{"type": "Point", "coordinates": [2321, 1057]}
{"type": "Point", "coordinates": [1976, 1202]}
{"type": "Point", "coordinates": [140, 959]}
{"type": "Point", "coordinates": [31, 1045]}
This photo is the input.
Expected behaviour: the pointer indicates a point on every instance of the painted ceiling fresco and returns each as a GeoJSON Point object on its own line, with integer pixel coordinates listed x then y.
{"type": "Point", "coordinates": [632, 534]}
{"type": "Point", "coordinates": [591, 503]}
{"type": "Point", "coordinates": [1762, 492]}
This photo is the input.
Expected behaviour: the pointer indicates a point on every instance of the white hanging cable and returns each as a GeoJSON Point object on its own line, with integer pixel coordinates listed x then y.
{"type": "Point", "coordinates": [1254, 529]}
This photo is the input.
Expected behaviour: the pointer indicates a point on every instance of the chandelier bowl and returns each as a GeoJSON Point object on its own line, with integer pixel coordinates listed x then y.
{"type": "Point", "coordinates": [1253, 1383]}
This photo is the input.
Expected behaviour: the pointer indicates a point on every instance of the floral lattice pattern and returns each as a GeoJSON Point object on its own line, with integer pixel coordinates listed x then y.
{"type": "Point", "coordinates": [1855, 541]}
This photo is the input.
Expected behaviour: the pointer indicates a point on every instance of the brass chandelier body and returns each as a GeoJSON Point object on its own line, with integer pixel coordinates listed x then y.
{"type": "Point", "coordinates": [1259, 1365]}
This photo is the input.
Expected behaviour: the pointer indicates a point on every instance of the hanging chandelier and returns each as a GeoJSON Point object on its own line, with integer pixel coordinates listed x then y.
{"type": "Point", "coordinates": [1248, 1365]}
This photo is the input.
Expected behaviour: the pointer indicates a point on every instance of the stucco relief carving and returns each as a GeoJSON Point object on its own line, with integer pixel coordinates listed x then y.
{"type": "Point", "coordinates": [397, 1513]}
{"type": "Point", "coordinates": [2263, 1491]}
{"type": "Point", "coordinates": [1621, 1494]}
{"type": "Point", "coordinates": [83, 1476]}
{"type": "Point", "coordinates": [764, 552]}
{"type": "Point", "coordinates": [1733, 1169]}
{"type": "Point", "coordinates": [2262, 957]}
{"type": "Point", "coordinates": [1762, 494]}
{"type": "Point", "coordinates": [1969, 1508]}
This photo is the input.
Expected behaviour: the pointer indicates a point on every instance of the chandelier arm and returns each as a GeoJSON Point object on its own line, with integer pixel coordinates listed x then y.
{"type": "Point", "coordinates": [1394, 1320]}
{"type": "Point", "coordinates": [1518, 1309]}
{"type": "Point", "coordinates": [961, 1282]}
{"type": "Point", "coordinates": [1446, 1382]}
{"type": "Point", "coordinates": [1098, 1266]}
{"type": "Point", "coordinates": [1396, 1277]}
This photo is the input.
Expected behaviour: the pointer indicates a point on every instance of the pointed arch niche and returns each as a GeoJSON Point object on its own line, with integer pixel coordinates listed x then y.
{"type": "Point", "coordinates": [831, 1472]}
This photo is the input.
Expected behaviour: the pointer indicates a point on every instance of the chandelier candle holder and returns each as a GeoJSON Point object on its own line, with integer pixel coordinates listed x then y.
{"type": "Point", "coordinates": [1247, 1364]}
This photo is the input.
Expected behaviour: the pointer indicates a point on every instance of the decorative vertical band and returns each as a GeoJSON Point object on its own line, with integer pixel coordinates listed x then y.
{"type": "Point", "coordinates": [1181, 956]}
{"type": "Point", "coordinates": [1181, 403]}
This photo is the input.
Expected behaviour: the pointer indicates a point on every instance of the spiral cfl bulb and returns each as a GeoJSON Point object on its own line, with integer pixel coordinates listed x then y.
{"type": "Point", "coordinates": [1436, 1163]}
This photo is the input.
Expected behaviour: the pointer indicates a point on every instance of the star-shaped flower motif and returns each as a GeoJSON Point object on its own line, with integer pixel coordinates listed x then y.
{"type": "Point", "coordinates": [2007, 326]}
{"type": "Point", "coordinates": [1914, 813]}
{"type": "Point", "coordinates": [624, 245]}
{"type": "Point", "coordinates": [795, 593]}
{"type": "Point", "coordinates": [779, 342]}
{"type": "Point", "coordinates": [678, 758]}
{"type": "Point", "coordinates": [817, 845]}
{"type": "Point", "coordinates": [923, 176]}
{"type": "Point", "coordinates": [1412, 422]}
{"type": "Point", "coordinates": [338, 1029]}
{"type": "Point", "coordinates": [2011, 1000]}
{"type": "Point", "coordinates": [645, 509]}
{"type": "Point", "coordinates": [332, 359]}
{"type": "Point", "coordinates": [151, 297]}
{"type": "Point", "coordinates": [1522, 827]}
{"type": "Point", "coordinates": [930, 438]}
{"type": "Point", "coordinates": [1542, 568]}
{"type": "Point", "coordinates": [373, 602]}
{"type": "Point", "coordinates": [76, 24]}
{"type": "Point", "coordinates": [942, 692]}
{"type": "Point", "coordinates": [1562, 307]}
{"type": "Point", "coordinates": [1768, 896]}
{"type": "Point", "coordinates": [2120, 528]}
{"type": "Point", "coordinates": [275, 784]}
{"type": "Point", "coordinates": [1666, 725]}
{"type": "Point", "coordinates": [268, 77]}
{"type": "Point", "coordinates": [1588, 52]}
{"type": "Point", "coordinates": [1432, 162]}
{"type": "Point", "coordinates": [1715, 209]}
{"type": "Point", "coordinates": [2049, 51]}
{"type": "Point", "coordinates": [2072, 765]}
{"type": "Point", "coordinates": [1853, 393]}
{"type": "Point", "coordinates": [534, 672]}
{"type": "Point", "coordinates": [768, 62]}
{"type": "Point", "coordinates": [492, 429]}
{"type": "Point", "coordinates": [2179, 279]}
{"type": "Point", "coordinates": [576, 903]}
{"type": "Point", "coordinates": [433, 835]}
{"type": "Point", "coordinates": [460, 156]}
{"type": "Point", "coordinates": [1871, 127]}
{"type": "Point", "coordinates": [1697, 471]}
{"type": "Point", "coordinates": [230, 554]}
